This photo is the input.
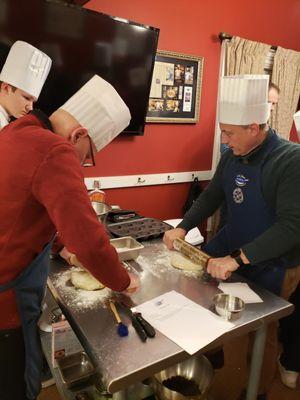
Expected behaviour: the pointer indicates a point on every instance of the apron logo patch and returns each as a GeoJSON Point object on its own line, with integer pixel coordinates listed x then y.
{"type": "Point", "coordinates": [240, 180]}
{"type": "Point", "coordinates": [238, 195]}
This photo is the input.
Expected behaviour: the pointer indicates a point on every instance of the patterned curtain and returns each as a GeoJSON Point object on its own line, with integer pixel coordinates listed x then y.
{"type": "Point", "coordinates": [245, 56]}
{"type": "Point", "coordinates": [286, 74]}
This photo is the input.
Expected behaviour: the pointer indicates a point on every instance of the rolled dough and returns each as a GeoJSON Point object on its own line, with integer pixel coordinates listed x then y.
{"type": "Point", "coordinates": [84, 280]}
{"type": "Point", "coordinates": [178, 260]}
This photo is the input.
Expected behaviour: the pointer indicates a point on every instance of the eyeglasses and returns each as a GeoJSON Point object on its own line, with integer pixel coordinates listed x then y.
{"type": "Point", "coordinates": [90, 160]}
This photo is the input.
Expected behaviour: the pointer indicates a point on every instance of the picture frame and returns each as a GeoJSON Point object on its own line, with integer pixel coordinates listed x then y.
{"type": "Point", "coordinates": [176, 88]}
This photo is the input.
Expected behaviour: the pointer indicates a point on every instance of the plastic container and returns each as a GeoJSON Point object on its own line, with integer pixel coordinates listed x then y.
{"type": "Point", "coordinates": [96, 194]}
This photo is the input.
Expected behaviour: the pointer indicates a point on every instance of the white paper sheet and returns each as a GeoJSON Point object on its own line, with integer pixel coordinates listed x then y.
{"type": "Point", "coordinates": [241, 290]}
{"type": "Point", "coordinates": [186, 323]}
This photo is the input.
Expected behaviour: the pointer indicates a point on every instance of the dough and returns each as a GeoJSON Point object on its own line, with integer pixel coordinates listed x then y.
{"type": "Point", "coordinates": [178, 260]}
{"type": "Point", "coordinates": [84, 280]}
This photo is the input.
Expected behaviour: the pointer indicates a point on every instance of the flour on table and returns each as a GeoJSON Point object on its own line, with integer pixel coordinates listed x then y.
{"type": "Point", "coordinates": [78, 299]}
{"type": "Point", "coordinates": [84, 280]}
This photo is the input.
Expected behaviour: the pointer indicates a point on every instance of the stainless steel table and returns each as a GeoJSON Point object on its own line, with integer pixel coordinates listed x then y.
{"type": "Point", "coordinates": [123, 361]}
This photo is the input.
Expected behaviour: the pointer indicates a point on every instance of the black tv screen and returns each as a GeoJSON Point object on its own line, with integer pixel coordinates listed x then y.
{"type": "Point", "coordinates": [82, 43]}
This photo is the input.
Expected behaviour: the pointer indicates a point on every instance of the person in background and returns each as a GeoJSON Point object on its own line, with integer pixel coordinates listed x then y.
{"type": "Point", "coordinates": [273, 95]}
{"type": "Point", "coordinates": [256, 177]}
{"type": "Point", "coordinates": [289, 360]}
{"type": "Point", "coordinates": [42, 191]}
{"type": "Point", "coordinates": [21, 80]}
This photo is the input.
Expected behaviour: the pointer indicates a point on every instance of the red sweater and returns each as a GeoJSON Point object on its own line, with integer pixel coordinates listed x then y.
{"type": "Point", "coordinates": [42, 191]}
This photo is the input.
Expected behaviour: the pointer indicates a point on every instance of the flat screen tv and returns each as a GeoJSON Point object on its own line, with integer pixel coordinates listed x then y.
{"type": "Point", "coordinates": [82, 43]}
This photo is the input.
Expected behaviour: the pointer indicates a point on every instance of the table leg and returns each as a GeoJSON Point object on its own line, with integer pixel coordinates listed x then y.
{"type": "Point", "coordinates": [256, 362]}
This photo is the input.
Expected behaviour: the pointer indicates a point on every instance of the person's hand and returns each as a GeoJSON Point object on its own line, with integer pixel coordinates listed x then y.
{"type": "Point", "coordinates": [171, 235]}
{"type": "Point", "coordinates": [66, 255]}
{"type": "Point", "coordinates": [134, 284]}
{"type": "Point", "coordinates": [221, 267]}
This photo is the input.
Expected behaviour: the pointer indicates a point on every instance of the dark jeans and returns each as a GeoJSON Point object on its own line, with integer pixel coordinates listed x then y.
{"type": "Point", "coordinates": [12, 363]}
{"type": "Point", "coordinates": [290, 335]}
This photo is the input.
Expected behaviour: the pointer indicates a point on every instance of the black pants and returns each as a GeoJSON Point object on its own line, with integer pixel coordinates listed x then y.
{"type": "Point", "coordinates": [12, 363]}
{"type": "Point", "coordinates": [290, 335]}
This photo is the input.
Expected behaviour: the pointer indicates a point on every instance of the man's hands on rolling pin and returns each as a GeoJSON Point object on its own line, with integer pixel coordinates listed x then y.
{"type": "Point", "coordinates": [222, 267]}
{"type": "Point", "coordinates": [171, 235]}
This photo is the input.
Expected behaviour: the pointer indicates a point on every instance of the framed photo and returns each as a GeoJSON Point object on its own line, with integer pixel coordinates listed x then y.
{"type": "Point", "coordinates": [175, 88]}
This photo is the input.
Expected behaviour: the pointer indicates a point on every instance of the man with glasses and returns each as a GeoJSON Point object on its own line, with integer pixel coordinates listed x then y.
{"type": "Point", "coordinates": [21, 80]}
{"type": "Point", "coordinates": [42, 191]}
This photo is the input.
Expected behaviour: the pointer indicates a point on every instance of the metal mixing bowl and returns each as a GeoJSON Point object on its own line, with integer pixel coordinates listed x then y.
{"type": "Point", "coordinates": [102, 209]}
{"type": "Point", "coordinates": [228, 306]}
{"type": "Point", "coordinates": [196, 368]}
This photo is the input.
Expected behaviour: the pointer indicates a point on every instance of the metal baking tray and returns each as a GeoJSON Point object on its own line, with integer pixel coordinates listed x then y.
{"type": "Point", "coordinates": [75, 368]}
{"type": "Point", "coordinates": [127, 247]}
{"type": "Point", "coordinates": [140, 229]}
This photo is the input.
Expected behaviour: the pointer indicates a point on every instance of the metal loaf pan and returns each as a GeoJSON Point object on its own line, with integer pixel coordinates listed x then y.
{"type": "Point", "coordinates": [75, 368]}
{"type": "Point", "coordinates": [127, 247]}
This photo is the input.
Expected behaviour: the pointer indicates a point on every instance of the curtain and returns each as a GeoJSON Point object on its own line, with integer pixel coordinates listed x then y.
{"type": "Point", "coordinates": [286, 74]}
{"type": "Point", "coordinates": [245, 56]}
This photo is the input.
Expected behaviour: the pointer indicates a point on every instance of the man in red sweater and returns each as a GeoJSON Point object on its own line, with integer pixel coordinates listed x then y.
{"type": "Point", "coordinates": [42, 191]}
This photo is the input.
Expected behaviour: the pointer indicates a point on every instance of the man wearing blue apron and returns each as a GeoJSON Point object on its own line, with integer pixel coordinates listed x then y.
{"type": "Point", "coordinates": [42, 191]}
{"type": "Point", "coordinates": [257, 178]}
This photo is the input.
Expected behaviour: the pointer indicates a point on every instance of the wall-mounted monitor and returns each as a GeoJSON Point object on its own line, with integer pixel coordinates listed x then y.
{"type": "Point", "coordinates": [82, 43]}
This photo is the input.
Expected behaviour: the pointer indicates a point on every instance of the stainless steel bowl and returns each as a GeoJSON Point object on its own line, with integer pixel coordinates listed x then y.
{"type": "Point", "coordinates": [228, 306]}
{"type": "Point", "coordinates": [196, 368]}
{"type": "Point", "coordinates": [102, 209]}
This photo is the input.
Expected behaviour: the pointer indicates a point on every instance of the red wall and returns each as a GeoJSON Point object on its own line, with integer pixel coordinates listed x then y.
{"type": "Point", "coordinates": [189, 27]}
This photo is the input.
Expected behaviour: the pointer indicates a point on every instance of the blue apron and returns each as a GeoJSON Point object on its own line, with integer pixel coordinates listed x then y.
{"type": "Point", "coordinates": [29, 288]}
{"type": "Point", "coordinates": [248, 217]}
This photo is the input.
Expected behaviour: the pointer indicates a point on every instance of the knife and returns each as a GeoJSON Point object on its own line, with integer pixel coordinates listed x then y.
{"type": "Point", "coordinates": [141, 326]}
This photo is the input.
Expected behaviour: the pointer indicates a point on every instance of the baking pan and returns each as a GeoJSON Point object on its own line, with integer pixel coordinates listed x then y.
{"type": "Point", "coordinates": [75, 368]}
{"type": "Point", "coordinates": [127, 247]}
{"type": "Point", "coordinates": [140, 229]}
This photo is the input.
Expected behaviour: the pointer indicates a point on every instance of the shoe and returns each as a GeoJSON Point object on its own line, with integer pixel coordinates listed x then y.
{"type": "Point", "coordinates": [288, 378]}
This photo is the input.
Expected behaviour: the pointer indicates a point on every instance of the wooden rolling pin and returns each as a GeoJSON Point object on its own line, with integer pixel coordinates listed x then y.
{"type": "Point", "coordinates": [191, 252]}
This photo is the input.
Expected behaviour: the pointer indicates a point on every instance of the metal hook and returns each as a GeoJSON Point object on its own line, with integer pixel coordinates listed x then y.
{"type": "Point", "coordinates": [140, 180]}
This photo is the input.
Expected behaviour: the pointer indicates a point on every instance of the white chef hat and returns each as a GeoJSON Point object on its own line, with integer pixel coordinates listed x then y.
{"type": "Point", "coordinates": [243, 99]}
{"type": "Point", "coordinates": [26, 68]}
{"type": "Point", "coordinates": [98, 107]}
{"type": "Point", "coordinates": [297, 122]}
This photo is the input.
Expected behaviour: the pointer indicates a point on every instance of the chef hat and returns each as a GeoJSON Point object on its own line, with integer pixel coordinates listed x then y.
{"type": "Point", "coordinates": [98, 107]}
{"type": "Point", "coordinates": [26, 68]}
{"type": "Point", "coordinates": [297, 122]}
{"type": "Point", "coordinates": [244, 99]}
